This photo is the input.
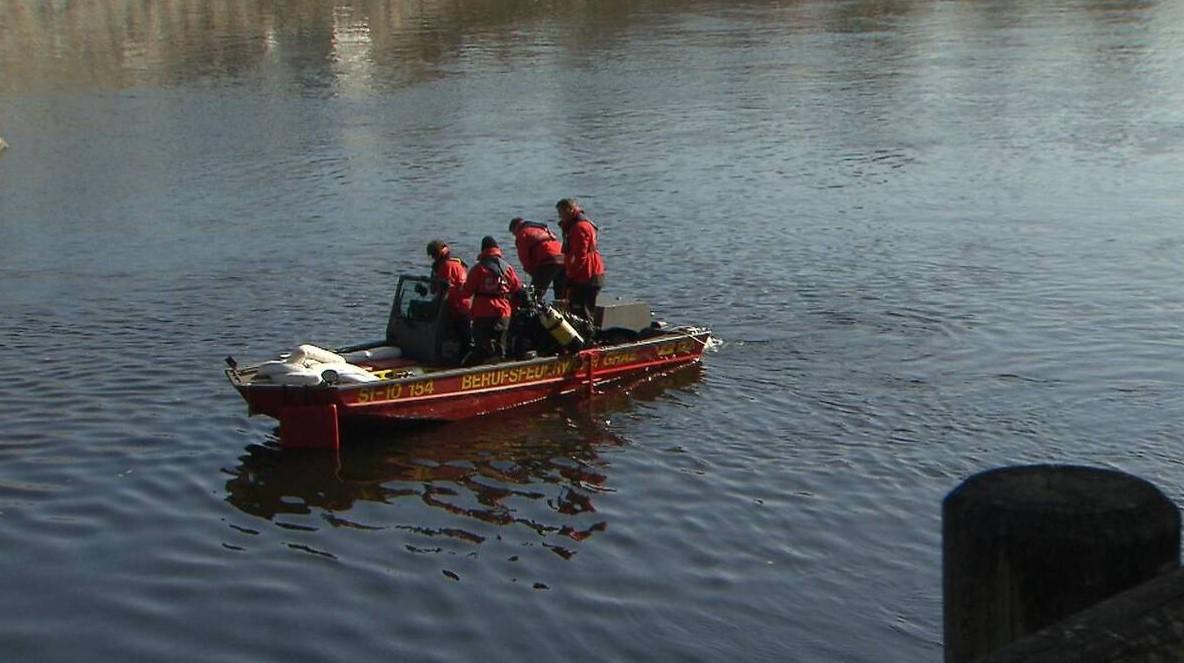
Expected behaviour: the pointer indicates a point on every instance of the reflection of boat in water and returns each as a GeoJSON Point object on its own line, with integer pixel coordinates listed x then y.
{"type": "Point", "coordinates": [423, 382]}
{"type": "Point", "coordinates": [537, 467]}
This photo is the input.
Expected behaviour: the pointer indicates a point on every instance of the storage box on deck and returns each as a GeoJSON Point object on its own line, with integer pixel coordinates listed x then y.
{"type": "Point", "coordinates": [634, 316]}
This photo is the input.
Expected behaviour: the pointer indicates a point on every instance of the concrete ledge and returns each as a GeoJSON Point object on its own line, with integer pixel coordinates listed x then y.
{"type": "Point", "coordinates": [1145, 623]}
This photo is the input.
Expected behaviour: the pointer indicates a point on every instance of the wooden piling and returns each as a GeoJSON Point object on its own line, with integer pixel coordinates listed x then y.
{"type": "Point", "coordinates": [1024, 547]}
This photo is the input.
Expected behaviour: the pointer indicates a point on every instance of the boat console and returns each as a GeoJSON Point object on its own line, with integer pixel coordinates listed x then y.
{"type": "Point", "coordinates": [419, 324]}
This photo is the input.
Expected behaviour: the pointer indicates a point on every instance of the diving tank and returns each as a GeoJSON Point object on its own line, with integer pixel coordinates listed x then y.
{"type": "Point", "coordinates": [559, 328]}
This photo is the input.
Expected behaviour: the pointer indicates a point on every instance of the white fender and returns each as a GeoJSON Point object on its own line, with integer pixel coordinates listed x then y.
{"type": "Point", "coordinates": [345, 373]}
{"type": "Point", "coordinates": [278, 372]}
{"type": "Point", "coordinates": [270, 368]}
{"type": "Point", "coordinates": [380, 353]}
{"type": "Point", "coordinates": [311, 354]}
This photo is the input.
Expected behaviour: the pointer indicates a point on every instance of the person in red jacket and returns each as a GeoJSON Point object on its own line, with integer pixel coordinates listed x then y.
{"type": "Point", "coordinates": [541, 255]}
{"type": "Point", "coordinates": [448, 275]}
{"type": "Point", "coordinates": [491, 283]}
{"type": "Point", "coordinates": [583, 265]}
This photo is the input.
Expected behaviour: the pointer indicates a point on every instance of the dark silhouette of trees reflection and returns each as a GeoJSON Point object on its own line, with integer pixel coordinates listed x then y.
{"type": "Point", "coordinates": [385, 43]}
{"type": "Point", "coordinates": [539, 467]}
{"type": "Point", "coordinates": [381, 43]}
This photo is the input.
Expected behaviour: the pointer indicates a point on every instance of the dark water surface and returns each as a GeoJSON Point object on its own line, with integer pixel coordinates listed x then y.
{"type": "Point", "coordinates": [937, 237]}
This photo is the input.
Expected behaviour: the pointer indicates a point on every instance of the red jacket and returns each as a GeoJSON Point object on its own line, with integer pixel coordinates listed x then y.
{"type": "Point", "coordinates": [582, 261]}
{"type": "Point", "coordinates": [537, 246]}
{"type": "Point", "coordinates": [490, 283]}
{"type": "Point", "coordinates": [452, 271]}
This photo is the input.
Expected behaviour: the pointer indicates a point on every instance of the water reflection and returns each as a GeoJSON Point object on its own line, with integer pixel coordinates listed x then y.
{"type": "Point", "coordinates": [125, 43]}
{"type": "Point", "coordinates": [538, 467]}
{"type": "Point", "coordinates": [352, 44]}
{"type": "Point", "coordinates": [329, 46]}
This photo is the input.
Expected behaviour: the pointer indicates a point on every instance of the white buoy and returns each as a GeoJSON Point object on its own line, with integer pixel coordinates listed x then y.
{"type": "Point", "coordinates": [3, 145]}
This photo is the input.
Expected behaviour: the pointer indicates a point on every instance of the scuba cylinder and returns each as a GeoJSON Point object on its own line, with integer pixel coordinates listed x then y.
{"type": "Point", "coordinates": [559, 328]}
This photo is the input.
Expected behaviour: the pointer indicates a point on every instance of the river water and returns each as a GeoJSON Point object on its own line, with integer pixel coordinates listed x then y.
{"type": "Point", "coordinates": [936, 238]}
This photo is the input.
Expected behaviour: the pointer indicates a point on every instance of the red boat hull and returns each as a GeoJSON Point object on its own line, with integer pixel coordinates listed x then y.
{"type": "Point", "coordinates": [447, 395]}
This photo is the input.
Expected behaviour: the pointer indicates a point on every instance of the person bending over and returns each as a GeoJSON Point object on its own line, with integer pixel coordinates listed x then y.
{"type": "Point", "coordinates": [541, 255]}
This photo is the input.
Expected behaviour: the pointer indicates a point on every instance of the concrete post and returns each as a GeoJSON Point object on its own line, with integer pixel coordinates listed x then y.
{"type": "Point", "coordinates": [1024, 547]}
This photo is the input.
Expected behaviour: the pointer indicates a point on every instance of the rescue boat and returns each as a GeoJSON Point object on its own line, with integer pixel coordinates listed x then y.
{"type": "Point", "coordinates": [415, 373]}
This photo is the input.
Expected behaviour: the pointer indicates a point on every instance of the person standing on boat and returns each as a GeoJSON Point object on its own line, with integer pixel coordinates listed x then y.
{"type": "Point", "coordinates": [583, 264]}
{"type": "Point", "coordinates": [491, 283]}
{"type": "Point", "coordinates": [449, 272]}
{"type": "Point", "coordinates": [541, 255]}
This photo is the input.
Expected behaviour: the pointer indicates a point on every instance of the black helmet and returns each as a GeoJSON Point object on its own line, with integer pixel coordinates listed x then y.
{"type": "Point", "coordinates": [514, 222]}
{"type": "Point", "coordinates": [435, 247]}
{"type": "Point", "coordinates": [488, 242]}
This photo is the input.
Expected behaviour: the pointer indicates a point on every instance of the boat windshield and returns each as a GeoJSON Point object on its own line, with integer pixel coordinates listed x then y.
{"type": "Point", "coordinates": [415, 299]}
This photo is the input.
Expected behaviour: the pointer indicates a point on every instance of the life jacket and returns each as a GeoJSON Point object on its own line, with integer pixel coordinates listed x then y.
{"type": "Point", "coordinates": [532, 239]}
{"type": "Point", "coordinates": [457, 302]}
{"type": "Point", "coordinates": [588, 267]}
{"type": "Point", "coordinates": [439, 262]}
{"type": "Point", "coordinates": [495, 284]}
{"type": "Point", "coordinates": [539, 239]}
{"type": "Point", "coordinates": [491, 282]}
{"type": "Point", "coordinates": [566, 231]}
